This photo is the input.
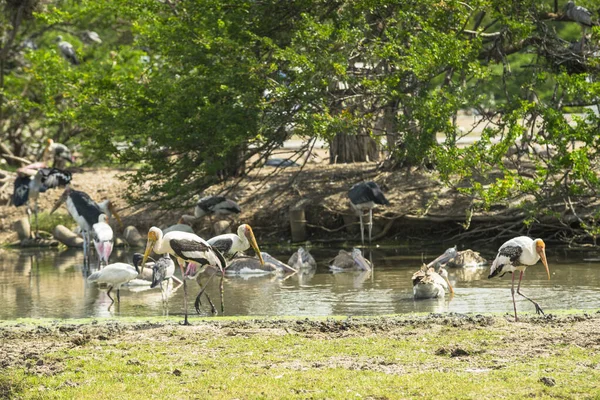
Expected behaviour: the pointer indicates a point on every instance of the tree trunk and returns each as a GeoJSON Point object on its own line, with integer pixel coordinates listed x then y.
{"type": "Point", "coordinates": [353, 148]}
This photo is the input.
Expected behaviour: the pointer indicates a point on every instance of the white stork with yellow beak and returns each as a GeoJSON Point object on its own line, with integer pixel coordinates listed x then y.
{"type": "Point", "coordinates": [516, 255]}
{"type": "Point", "coordinates": [185, 247]}
{"type": "Point", "coordinates": [230, 244]}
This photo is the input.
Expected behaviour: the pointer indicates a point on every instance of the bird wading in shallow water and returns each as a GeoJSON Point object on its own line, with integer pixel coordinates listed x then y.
{"type": "Point", "coordinates": [86, 212]}
{"type": "Point", "coordinates": [364, 196]}
{"type": "Point", "coordinates": [190, 248]}
{"type": "Point", "coordinates": [516, 255]}
{"type": "Point", "coordinates": [102, 234]}
{"type": "Point", "coordinates": [115, 275]}
{"type": "Point", "coordinates": [230, 244]}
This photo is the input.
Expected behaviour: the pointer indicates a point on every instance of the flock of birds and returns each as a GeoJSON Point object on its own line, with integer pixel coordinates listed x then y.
{"type": "Point", "coordinates": [224, 254]}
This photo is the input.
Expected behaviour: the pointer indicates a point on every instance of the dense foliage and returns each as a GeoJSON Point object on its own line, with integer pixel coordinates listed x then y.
{"type": "Point", "coordinates": [197, 91]}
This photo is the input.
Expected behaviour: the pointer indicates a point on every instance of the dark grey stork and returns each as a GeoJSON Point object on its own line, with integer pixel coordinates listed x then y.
{"type": "Point", "coordinates": [516, 255]}
{"type": "Point", "coordinates": [26, 189]}
{"type": "Point", "coordinates": [350, 261]}
{"type": "Point", "coordinates": [364, 196]}
{"type": "Point", "coordinates": [185, 247]}
{"type": "Point", "coordinates": [581, 15]}
{"type": "Point", "coordinates": [160, 271]}
{"type": "Point", "coordinates": [86, 214]}
{"type": "Point", "coordinates": [230, 244]}
{"type": "Point", "coordinates": [67, 50]}
{"type": "Point", "coordinates": [216, 205]}
{"type": "Point", "coordinates": [59, 153]}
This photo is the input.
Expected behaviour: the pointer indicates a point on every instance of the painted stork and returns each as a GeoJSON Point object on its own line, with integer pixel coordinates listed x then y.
{"type": "Point", "coordinates": [230, 244]}
{"type": "Point", "coordinates": [67, 50]}
{"type": "Point", "coordinates": [429, 284]}
{"type": "Point", "coordinates": [348, 261]}
{"type": "Point", "coordinates": [364, 196]}
{"type": "Point", "coordinates": [26, 189]}
{"type": "Point", "coordinates": [59, 153]}
{"type": "Point", "coordinates": [184, 247]}
{"type": "Point", "coordinates": [184, 224]}
{"type": "Point", "coordinates": [516, 255]}
{"type": "Point", "coordinates": [84, 211]}
{"type": "Point", "coordinates": [102, 234]}
{"type": "Point", "coordinates": [302, 260]}
{"type": "Point", "coordinates": [216, 205]}
{"type": "Point", "coordinates": [115, 275]}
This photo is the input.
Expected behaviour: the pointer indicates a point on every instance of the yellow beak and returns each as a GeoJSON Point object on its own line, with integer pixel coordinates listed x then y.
{"type": "Point", "coordinates": [149, 246]}
{"type": "Point", "coordinates": [113, 210]}
{"type": "Point", "coordinates": [255, 247]}
{"type": "Point", "coordinates": [545, 262]}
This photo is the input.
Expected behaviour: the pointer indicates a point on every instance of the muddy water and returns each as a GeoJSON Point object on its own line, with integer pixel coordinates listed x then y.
{"type": "Point", "coordinates": [51, 284]}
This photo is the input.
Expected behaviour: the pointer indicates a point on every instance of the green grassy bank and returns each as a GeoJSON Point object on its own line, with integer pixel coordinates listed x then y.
{"type": "Point", "coordinates": [432, 356]}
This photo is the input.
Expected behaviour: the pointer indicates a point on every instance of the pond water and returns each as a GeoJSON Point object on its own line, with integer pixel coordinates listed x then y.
{"type": "Point", "coordinates": [51, 284]}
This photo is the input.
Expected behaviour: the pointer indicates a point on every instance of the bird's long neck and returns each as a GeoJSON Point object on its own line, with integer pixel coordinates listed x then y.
{"type": "Point", "coordinates": [243, 239]}
{"type": "Point", "coordinates": [161, 246]}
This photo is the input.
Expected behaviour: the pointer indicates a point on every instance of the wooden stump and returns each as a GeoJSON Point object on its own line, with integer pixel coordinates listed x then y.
{"type": "Point", "coordinates": [67, 237]}
{"type": "Point", "coordinates": [298, 224]}
{"type": "Point", "coordinates": [22, 228]}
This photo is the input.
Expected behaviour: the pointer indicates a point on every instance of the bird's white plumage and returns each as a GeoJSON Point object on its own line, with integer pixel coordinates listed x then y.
{"type": "Point", "coordinates": [231, 243]}
{"type": "Point", "coordinates": [115, 275]}
{"type": "Point", "coordinates": [165, 243]}
{"type": "Point", "coordinates": [528, 257]}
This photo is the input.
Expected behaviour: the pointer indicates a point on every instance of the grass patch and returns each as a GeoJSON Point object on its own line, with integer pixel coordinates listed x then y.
{"type": "Point", "coordinates": [10, 386]}
{"type": "Point", "coordinates": [447, 356]}
{"type": "Point", "coordinates": [47, 222]}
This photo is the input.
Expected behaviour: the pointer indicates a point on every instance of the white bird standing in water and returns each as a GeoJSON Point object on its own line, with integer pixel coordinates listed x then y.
{"type": "Point", "coordinates": [186, 247]}
{"type": "Point", "coordinates": [230, 244]}
{"type": "Point", "coordinates": [102, 234]}
{"type": "Point", "coordinates": [115, 275]}
{"type": "Point", "coordinates": [516, 255]}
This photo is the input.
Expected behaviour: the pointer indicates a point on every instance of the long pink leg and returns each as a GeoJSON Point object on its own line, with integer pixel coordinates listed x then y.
{"type": "Point", "coordinates": [538, 309]}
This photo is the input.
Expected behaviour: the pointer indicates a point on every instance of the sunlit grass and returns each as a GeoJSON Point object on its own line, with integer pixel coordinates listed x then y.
{"type": "Point", "coordinates": [47, 222]}
{"type": "Point", "coordinates": [261, 359]}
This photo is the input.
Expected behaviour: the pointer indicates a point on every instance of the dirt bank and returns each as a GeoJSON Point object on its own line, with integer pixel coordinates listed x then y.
{"type": "Point", "coordinates": [421, 207]}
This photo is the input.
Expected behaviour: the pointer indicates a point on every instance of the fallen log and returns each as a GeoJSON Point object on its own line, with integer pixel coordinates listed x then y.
{"type": "Point", "coordinates": [67, 237]}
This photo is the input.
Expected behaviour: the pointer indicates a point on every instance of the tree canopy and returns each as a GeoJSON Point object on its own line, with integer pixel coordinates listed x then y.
{"type": "Point", "coordinates": [192, 92]}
